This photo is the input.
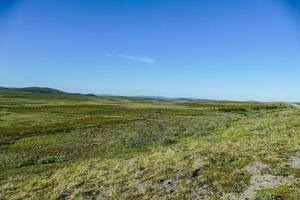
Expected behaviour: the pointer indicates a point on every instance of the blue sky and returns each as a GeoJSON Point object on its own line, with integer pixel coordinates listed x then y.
{"type": "Point", "coordinates": [222, 49]}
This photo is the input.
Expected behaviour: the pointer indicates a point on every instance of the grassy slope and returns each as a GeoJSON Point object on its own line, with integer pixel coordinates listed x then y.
{"type": "Point", "coordinates": [64, 146]}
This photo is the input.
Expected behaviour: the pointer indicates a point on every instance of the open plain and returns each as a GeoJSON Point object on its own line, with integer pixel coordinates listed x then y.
{"type": "Point", "coordinates": [68, 146]}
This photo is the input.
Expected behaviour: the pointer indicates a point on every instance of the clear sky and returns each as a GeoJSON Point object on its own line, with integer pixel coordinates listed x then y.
{"type": "Point", "coordinates": [221, 49]}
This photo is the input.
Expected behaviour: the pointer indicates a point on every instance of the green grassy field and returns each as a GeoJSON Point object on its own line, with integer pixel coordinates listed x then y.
{"type": "Point", "coordinates": [61, 146]}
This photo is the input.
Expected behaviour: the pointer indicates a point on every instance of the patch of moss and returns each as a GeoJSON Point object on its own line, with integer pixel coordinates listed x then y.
{"type": "Point", "coordinates": [279, 193]}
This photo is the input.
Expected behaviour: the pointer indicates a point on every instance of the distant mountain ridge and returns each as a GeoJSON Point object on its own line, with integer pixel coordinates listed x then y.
{"type": "Point", "coordinates": [42, 90]}
{"type": "Point", "coordinates": [36, 90]}
{"type": "Point", "coordinates": [51, 91]}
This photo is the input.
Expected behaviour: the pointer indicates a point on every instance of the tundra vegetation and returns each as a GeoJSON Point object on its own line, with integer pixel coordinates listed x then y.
{"type": "Point", "coordinates": [63, 146]}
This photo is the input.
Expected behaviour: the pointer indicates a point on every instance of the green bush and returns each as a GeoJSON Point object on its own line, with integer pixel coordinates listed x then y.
{"type": "Point", "coordinates": [52, 159]}
{"type": "Point", "coordinates": [268, 196]}
{"type": "Point", "coordinates": [23, 160]}
{"type": "Point", "coordinates": [135, 139]}
{"type": "Point", "coordinates": [221, 159]}
{"type": "Point", "coordinates": [238, 183]}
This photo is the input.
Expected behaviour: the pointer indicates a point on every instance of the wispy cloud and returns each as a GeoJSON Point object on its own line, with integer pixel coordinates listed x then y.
{"type": "Point", "coordinates": [143, 59]}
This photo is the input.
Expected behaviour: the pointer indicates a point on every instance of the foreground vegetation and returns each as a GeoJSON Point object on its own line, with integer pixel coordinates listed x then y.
{"type": "Point", "coordinates": [62, 146]}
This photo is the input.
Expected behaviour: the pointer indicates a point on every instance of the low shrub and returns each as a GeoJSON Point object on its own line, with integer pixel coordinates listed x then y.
{"type": "Point", "coordinates": [238, 182]}
{"type": "Point", "coordinates": [268, 196]}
